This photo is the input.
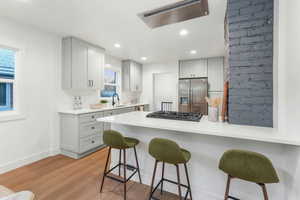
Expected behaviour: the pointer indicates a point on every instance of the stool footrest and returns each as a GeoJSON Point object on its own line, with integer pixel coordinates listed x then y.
{"type": "Point", "coordinates": [120, 180]}
{"type": "Point", "coordinates": [231, 197]}
{"type": "Point", "coordinates": [170, 181]}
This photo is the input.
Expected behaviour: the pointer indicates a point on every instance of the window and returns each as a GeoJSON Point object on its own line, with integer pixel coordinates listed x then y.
{"type": "Point", "coordinates": [7, 76]}
{"type": "Point", "coordinates": [111, 82]}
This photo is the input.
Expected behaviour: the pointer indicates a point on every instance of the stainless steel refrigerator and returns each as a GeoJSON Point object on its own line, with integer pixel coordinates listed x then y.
{"type": "Point", "coordinates": [192, 93]}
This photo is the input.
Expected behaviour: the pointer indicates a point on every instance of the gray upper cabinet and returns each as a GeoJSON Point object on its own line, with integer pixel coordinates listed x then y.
{"type": "Point", "coordinates": [193, 68]}
{"type": "Point", "coordinates": [215, 70]}
{"type": "Point", "coordinates": [132, 76]}
{"type": "Point", "coordinates": [83, 65]}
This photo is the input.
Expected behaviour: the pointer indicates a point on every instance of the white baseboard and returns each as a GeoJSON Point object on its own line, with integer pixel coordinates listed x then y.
{"type": "Point", "coordinates": [27, 160]}
{"type": "Point", "coordinates": [54, 152]}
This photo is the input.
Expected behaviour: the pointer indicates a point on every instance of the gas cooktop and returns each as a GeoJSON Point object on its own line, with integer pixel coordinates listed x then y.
{"type": "Point", "coordinates": [183, 116]}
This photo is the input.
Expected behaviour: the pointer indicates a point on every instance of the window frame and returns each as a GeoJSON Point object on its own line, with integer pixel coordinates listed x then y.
{"type": "Point", "coordinates": [118, 80]}
{"type": "Point", "coordinates": [18, 111]}
{"type": "Point", "coordinates": [9, 95]}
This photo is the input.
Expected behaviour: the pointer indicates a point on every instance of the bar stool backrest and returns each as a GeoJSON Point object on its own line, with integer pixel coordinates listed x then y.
{"type": "Point", "coordinates": [249, 166]}
{"type": "Point", "coordinates": [114, 139]}
{"type": "Point", "coordinates": [165, 150]}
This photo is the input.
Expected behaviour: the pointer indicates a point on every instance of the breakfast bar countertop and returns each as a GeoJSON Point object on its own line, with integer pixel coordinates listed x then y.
{"type": "Point", "coordinates": [89, 110]}
{"type": "Point", "coordinates": [204, 127]}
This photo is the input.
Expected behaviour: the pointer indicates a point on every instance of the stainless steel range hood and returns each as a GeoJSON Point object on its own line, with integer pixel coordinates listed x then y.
{"type": "Point", "coordinates": [174, 13]}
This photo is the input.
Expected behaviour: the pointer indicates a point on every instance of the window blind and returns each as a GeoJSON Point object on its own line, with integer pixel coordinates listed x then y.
{"type": "Point", "coordinates": [7, 64]}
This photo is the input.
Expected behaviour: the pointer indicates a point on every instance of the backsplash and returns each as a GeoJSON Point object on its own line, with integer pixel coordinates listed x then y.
{"type": "Point", "coordinates": [93, 97]}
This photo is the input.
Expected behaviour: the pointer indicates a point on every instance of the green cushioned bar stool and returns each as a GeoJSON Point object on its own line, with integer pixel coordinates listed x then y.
{"type": "Point", "coordinates": [115, 140]}
{"type": "Point", "coordinates": [167, 151]}
{"type": "Point", "coordinates": [248, 166]}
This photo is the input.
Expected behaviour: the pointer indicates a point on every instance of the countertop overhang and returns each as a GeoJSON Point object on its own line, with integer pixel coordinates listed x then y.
{"type": "Point", "coordinates": [204, 127]}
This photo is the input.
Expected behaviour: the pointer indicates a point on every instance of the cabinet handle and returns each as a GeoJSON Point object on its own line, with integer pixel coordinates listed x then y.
{"type": "Point", "coordinates": [92, 83]}
{"type": "Point", "coordinates": [93, 128]}
{"type": "Point", "coordinates": [93, 142]}
{"type": "Point", "coordinates": [93, 117]}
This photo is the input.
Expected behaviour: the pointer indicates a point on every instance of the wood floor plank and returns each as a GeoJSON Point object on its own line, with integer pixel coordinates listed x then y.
{"type": "Point", "coordinates": [63, 178]}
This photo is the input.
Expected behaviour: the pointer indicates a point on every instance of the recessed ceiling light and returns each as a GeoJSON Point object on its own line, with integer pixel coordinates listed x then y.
{"type": "Point", "coordinates": [144, 58]}
{"type": "Point", "coordinates": [117, 45]}
{"type": "Point", "coordinates": [183, 32]}
{"type": "Point", "coordinates": [193, 52]}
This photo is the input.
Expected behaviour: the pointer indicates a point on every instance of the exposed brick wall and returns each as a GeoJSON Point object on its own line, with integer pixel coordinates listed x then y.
{"type": "Point", "coordinates": [250, 24]}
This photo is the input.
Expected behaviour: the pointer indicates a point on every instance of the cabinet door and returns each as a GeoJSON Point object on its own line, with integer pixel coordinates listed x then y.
{"type": "Point", "coordinates": [126, 76]}
{"type": "Point", "coordinates": [132, 77]}
{"type": "Point", "coordinates": [193, 68]}
{"type": "Point", "coordinates": [138, 78]}
{"type": "Point", "coordinates": [107, 126]}
{"type": "Point", "coordinates": [215, 74]}
{"type": "Point", "coordinates": [199, 68]}
{"type": "Point", "coordinates": [79, 64]}
{"type": "Point", "coordinates": [184, 70]}
{"type": "Point", "coordinates": [95, 68]}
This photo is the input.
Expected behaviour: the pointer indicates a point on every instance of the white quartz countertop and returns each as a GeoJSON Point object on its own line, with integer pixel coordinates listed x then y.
{"type": "Point", "coordinates": [88, 110]}
{"type": "Point", "coordinates": [204, 127]}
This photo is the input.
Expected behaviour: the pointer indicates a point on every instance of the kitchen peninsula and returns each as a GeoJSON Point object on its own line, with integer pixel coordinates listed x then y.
{"type": "Point", "coordinates": [207, 141]}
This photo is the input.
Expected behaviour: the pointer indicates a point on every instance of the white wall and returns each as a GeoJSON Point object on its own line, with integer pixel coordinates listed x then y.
{"type": "Point", "coordinates": [39, 95]}
{"type": "Point", "coordinates": [34, 136]}
{"type": "Point", "coordinates": [289, 71]}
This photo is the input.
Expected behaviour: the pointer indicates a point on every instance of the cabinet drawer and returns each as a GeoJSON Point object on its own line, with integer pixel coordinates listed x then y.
{"type": "Point", "coordinates": [90, 129]}
{"type": "Point", "coordinates": [108, 113]}
{"type": "Point", "coordinates": [87, 118]}
{"type": "Point", "coordinates": [90, 142]}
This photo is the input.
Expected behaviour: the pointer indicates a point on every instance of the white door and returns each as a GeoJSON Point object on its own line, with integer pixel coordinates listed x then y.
{"type": "Point", "coordinates": [79, 65]}
{"type": "Point", "coordinates": [165, 90]}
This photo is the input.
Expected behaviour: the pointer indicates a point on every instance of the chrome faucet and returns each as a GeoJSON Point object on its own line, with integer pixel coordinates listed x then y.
{"type": "Point", "coordinates": [113, 98]}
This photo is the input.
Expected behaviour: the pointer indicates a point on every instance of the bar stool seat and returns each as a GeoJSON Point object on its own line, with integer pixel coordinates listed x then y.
{"type": "Point", "coordinates": [248, 166]}
{"type": "Point", "coordinates": [167, 151]}
{"type": "Point", "coordinates": [115, 140]}
{"type": "Point", "coordinates": [186, 154]}
{"type": "Point", "coordinates": [131, 142]}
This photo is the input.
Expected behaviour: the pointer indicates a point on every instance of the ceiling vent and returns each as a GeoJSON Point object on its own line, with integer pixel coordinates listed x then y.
{"type": "Point", "coordinates": [174, 13]}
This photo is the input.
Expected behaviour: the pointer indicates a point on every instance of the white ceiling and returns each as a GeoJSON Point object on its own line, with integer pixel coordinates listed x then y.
{"type": "Point", "coordinates": [115, 21]}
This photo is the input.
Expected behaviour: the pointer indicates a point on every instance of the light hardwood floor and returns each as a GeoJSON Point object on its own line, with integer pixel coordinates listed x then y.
{"type": "Point", "coordinates": [63, 178]}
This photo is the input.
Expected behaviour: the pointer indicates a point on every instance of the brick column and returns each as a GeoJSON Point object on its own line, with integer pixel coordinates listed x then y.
{"type": "Point", "coordinates": [250, 24]}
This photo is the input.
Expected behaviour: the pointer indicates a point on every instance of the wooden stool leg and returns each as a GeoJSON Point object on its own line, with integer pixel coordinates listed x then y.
{"type": "Point", "coordinates": [178, 182]}
{"type": "Point", "coordinates": [227, 187]}
{"type": "Point", "coordinates": [138, 166]}
{"type": "Point", "coordinates": [105, 169]}
{"type": "Point", "coordinates": [162, 178]}
{"type": "Point", "coordinates": [188, 180]}
{"type": "Point", "coordinates": [124, 151]}
{"type": "Point", "coordinates": [120, 153]}
{"type": "Point", "coordinates": [152, 182]}
{"type": "Point", "coordinates": [264, 191]}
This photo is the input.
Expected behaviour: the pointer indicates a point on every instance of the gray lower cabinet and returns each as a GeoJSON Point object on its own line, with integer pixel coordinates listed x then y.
{"type": "Point", "coordinates": [82, 134]}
